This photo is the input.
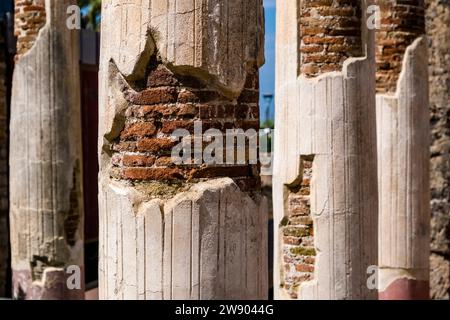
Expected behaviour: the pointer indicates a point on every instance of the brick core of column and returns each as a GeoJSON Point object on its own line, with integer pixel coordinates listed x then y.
{"type": "Point", "coordinates": [402, 21]}
{"type": "Point", "coordinates": [167, 102]}
{"type": "Point", "coordinates": [30, 17]}
{"type": "Point", "coordinates": [330, 33]}
{"type": "Point", "coordinates": [299, 253]}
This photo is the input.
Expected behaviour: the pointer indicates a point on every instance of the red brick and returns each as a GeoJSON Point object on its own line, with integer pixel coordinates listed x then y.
{"type": "Point", "coordinates": [186, 96]}
{"type": "Point", "coordinates": [304, 268]}
{"type": "Point", "coordinates": [160, 77]}
{"type": "Point", "coordinates": [295, 241]}
{"type": "Point", "coordinates": [138, 129]}
{"type": "Point", "coordinates": [155, 145]}
{"type": "Point", "coordinates": [164, 162]}
{"type": "Point", "coordinates": [400, 26]}
{"type": "Point", "coordinates": [154, 96]}
{"type": "Point", "coordinates": [330, 33]}
{"type": "Point", "coordinates": [138, 161]}
{"type": "Point", "coordinates": [170, 126]}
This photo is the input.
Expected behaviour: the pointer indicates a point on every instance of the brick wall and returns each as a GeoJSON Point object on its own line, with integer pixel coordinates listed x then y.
{"type": "Point", "coordinates": [330, 33]}
{"type": "Point", "coordinates": [402, 21]}
{"type": "Point", "coordinates": [166, 102]}
{"type": "Point", "coordinates": [298, 235]}
{"type": "Point", "coordinates": [3, 170]}
{"type": "Point", "coordinates": [438, 31]}
{"type": "Point", "coordinates": [30, 17]}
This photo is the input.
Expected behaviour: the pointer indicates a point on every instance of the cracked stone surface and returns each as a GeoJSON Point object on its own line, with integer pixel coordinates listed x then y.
{"type": "Point", "coordinates": [325, 111]}
{"type": "Point", "coordinates": [179, 231]}
{"type": "Point", "coordinates": [45, 154]}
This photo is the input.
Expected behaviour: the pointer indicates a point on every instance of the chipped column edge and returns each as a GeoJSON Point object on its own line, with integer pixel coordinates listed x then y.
{"type": "Point", "coordinates": [112, 77]}
{"type": "Point", "coordinates": [290, 171]}
{"type": "Point", "coordinates": [41, 288]}
{"type": "Point", "coordinates": [139, 203]}
{"type": "Point", "coordinates": [352, 67]}
{"type": "Point", "coordinates": [417, 46]}
{"type": "Point", "coordinates": [41, 36]}
{"type": "Point", "coordinates": [193, 193]}
{"type": "Point", "coordinates": [389, 277]}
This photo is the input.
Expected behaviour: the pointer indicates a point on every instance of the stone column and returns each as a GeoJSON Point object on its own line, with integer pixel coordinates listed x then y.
{"type": "Point", "coordinates": [4, 232]}
{"type": "Point", "coordinates": [438, 32]}
{"type": "Point", "coordinates": [172, 230]}
{"type": "Point", "coordinates": [45, 155]}
{"type": "Point", "coordinates": [325, 188]}
{"type": "Point", "coordinates": [403, 150]}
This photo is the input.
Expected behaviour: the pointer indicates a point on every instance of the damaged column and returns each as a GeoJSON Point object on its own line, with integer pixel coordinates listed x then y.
{"type": "Point", "coordinates": [4, 200]}
{"type": "Point", "coordinates": [325, 188]}
{"type": "Point", "coordinates": [170, 230]}
{"type": "Point", "coordinates": [403, 150]}
{"type": "Point", "coordinates": [45, 155]}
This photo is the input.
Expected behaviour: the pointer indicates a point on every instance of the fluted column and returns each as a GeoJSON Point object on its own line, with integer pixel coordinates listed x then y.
{"type": "Point", "coordinates": [4, 200]}
{"type": "Point", "coordinates": [325, 188]}
{"type": "Point", "coordinates": [403, 150]}
{"type": "Point", "coordinates": [45, 154]}
{"type": "Point", "coordinates": [169, 230]}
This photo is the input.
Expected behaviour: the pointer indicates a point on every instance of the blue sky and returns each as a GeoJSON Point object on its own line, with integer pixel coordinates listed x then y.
{"type": "Point", "coordinates": [267, 74]}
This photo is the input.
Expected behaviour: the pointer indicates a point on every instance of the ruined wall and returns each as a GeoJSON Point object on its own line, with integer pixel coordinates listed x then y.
{"type": "Point", "coordinates": [4, 234]}
{"type": "Point", "coordinates": [46, 210]}
{"type": "Point", "coordinates": [438, 31]}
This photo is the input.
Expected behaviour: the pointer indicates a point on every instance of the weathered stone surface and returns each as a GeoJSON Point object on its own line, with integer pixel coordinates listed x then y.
{"type": "Point", "coordinates": [438, 31]}
{"type": "Point", "coordinates": [326, 117]}
{"type": "Point", "coordinates": [45, 157]}
{"type": "Point", "coordinates": [190, 37]}
{"type": "Point", "coordinates": [403, 151]}
{"type": "Point", "coordinates": [401, 23]}
{"type": "Point", "coordinates": [439, 276]}
{"type": "Point", "coordinates": [4, 200]}
{"type": "Point", "coordinates": [30, 17]}
{"type": "Point", "coordinates": [206, 243]}
{"type": "Point", "coordinates": [185, 231]}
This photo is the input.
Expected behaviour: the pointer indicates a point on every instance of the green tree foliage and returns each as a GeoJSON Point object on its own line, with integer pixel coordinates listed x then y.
{"type": "Point", "coordinates": [92, 8]}
{"type": "Point", "coordinates": [267, 124]}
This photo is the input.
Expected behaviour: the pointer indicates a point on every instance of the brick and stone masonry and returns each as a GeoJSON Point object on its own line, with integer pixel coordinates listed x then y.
{"type": "Point", "coordinates": [401, 23]}
{"type": "Point", "coordinates": [330, 32]}
{"type": "Point", "coordinates": [46, 207]}
{"type": "Point", "coordinates": [403, 150]}
{"type": "Point", "coordinates": [438, 32]}
{"type": "Point", "coordinates": [166, 102]}
{"type": "Point", "coordinates": [4, 239]}
{"type": "Point", "coordinates": [189, 231]}
{"type": "Point", "coordinates": [299, 252]}
{"type": "Point", "coordinates": [30, 17]}
{"type": "Point", "coordinates": [324, 181]}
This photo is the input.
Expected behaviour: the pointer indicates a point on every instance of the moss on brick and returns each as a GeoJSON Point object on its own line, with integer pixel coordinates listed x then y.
{"type": "Point", "coordinates": [301, 251]}
{"type": "Point", "coordinates": [162, 190]}
{"type": "Point", "coordinates": [297, 231]}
